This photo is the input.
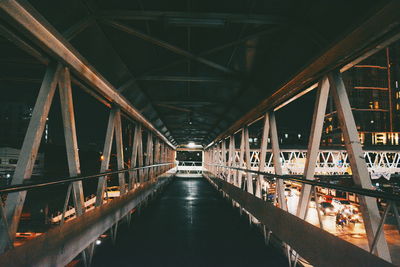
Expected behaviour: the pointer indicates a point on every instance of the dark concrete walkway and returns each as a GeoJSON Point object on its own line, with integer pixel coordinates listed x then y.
{"type": "Point", "coordinates": [190, 224]}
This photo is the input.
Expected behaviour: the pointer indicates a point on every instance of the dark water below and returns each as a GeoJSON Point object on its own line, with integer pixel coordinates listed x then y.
{"type": "Point", "coordinates": [189, 224]}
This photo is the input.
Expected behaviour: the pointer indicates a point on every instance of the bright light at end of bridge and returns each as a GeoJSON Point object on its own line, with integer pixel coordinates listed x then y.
{"type": "Point", "coordinates": [191, 144]}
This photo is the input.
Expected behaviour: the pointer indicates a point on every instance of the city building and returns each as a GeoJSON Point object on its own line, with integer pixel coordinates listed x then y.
{"type": "Point", "coordinates": [8, 162]}
{"type": "Point", "coordinates": [373, 89]}
{"type": "Point", "coordinates": [14, 121]}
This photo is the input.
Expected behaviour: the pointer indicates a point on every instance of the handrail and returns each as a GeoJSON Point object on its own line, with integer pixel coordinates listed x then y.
{"type": "Point", "coordinates": [360, 191]}
{"type": "Point", "coordinates": [32, 185]}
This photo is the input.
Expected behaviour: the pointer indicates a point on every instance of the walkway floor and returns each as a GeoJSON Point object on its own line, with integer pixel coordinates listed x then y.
{"type": "Point", "coordinates": [190, 224]}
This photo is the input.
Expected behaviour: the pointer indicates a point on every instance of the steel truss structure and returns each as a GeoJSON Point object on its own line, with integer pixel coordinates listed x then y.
{"type": "Point", "coordinates": [329, 161]}
{"type": "Point", "coordinates": [143, 171]}
{"type": "Point", "coordinates": [157, 152]}
{"type": "Point", "coordinates": [223, 163]}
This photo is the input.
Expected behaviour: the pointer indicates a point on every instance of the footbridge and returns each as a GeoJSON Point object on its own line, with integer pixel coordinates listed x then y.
{"type": "Point", "coordinates": [114, 93]}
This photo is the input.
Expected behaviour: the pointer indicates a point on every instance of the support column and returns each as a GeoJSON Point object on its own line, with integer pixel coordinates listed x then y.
{"type": "Point", "coordinates": [101, 184]}
{"type": "Point", "coordinates": [231, 157]}
{"type": "Point", "coordinates": [280, 186]}
{"type": "Point", "coordinates": [67, 111]}
{"type": "Point", "coordinates": [149, 157]}
{"type": "Point", "coordinates": [223, 158]}
{"type": "Point", "coordinates": [368, 205]}
{"type": "Point", "coordinates": [120, 151]}
{"type": "Point", "coordinates": [263, 154]}
{"type": "Point", "coordinates": [313, 145]}
{"type": "Point", "coordinates": [156, 156]}
{"type": "Point", "coordinates": [28, 153]}
{"type": "Point", "coordinates": [241, 161]}
{"type": "Point", "coordinates": [249, 176]}
{"type": "Point", "coordinates": [140, 153]}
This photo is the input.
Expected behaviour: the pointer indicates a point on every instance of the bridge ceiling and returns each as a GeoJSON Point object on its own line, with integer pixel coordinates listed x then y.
{"type": "Point", "coordinates": [195, 67]}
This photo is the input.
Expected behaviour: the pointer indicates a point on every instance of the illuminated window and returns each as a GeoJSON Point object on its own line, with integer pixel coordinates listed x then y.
{"type": "Point", "coordinates": [379, 138]}
{"type": "Point", "coordinates": [376, 105]}
{"type": "Point", "coordinates": [394, 138]}
{"type": "Point", "coordinates": [361, 137]}
{"type": "Point", "coordinates": [397, 106]}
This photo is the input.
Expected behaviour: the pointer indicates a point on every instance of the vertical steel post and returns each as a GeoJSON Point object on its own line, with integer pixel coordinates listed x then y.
{"type": "Point", "coordinates": [223, 158]}
{"type": "Point", "coordinates": [67, 111]}
{"type": "Point", "coordinates": [149, 157]}
{"type": "Point", "coordinates": [231, 157]}
{"type": "Point", "coordinates": [263, 154]}
{"type": "Point", "coordinates": [120, 151]}
{"type": "Point", "coordinates": [135, 145]}
{"type": "Point", "coordinates": [28, 153]}
{"type": "Point", "coordinates": [140, 153]}
{"type": "Point", "coordinates": [101, 184]}
{"type": "Point", "coordinates": [241, 159]}
{"type": "Point", "coordinates": [156, 156]}
{"type": "Point", "coordinates": [249, 176]}
{"type": "Point", "coordinates": [280, 186]}
{"type": "Point", "coordinates": [368, 205]}
{"type": "Point", "coordinates": [313, 144]}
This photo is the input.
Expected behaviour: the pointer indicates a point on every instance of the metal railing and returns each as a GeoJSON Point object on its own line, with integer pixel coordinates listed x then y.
{"type": "Point", "coordinates": [39, 184]}
{"type": "Point", "coordinates": [189, 167]}
{"type": "Point", "coordinates": [234, 175]}
{"type": "Point", "coordinates": [68, 214]}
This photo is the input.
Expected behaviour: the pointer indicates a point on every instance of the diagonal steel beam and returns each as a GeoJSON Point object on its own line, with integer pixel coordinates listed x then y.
{"type": "Point", "coordinates": [170, 78]}
{"type": "Point", "coordinates": [31, 23]}
{"type": "Point", "coordinates": [195, 18]}
{"type": "Point", "coordinates": [78, 27]}
{"type": "Point", "coordinates": [166, 45]}
{"type": "Point", "coordinates": [218, 48]}
{"type": "Point", "coordinates": [380, 29]}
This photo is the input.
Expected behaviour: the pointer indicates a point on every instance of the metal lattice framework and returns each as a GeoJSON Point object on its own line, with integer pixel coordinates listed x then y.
{"type": "Point", "coordinates": [329, 162]}
{"type": "Point", "coordinates": [222, 162]}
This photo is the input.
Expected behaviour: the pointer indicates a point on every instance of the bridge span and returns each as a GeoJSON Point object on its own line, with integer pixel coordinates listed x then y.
{"type": "Point", "coordinates": [99, 98]}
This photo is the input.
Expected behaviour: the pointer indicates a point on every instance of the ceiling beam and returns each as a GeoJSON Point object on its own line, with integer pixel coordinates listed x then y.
{"type": "Point", "coordinates": [195, 18]}
{"type": "Point", "coordinates": [217, 48]}
{"type": "Point", "coordinates": [168, 46]}
{"type": "Point", "coordinates": [170, 78]}
{"type": "Point", "coordinates": [23, 15]}
{"type": "Point", "coordinates": [381, 28]}
{"type": "Point", "coordinates": [78, 27]}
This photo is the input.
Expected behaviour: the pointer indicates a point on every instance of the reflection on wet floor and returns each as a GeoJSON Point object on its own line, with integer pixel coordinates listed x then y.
{"type": "Point", "coordinates": [190, 224]}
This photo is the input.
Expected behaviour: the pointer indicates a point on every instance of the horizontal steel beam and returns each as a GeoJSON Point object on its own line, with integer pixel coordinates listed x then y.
{"type": "Point", "coordinates": [60, 245]}
{"type": "Point", "coordinates": [166, 78]}
{"type": "Point", "coordinates": [167, 46]}
{"type": "Point", "coordinates": [317, 246]}
{"type": "Point", "coordinates": [38, 29]}
{"type": "Point", "coordinates": [189, 17]}
{"type": "Point", "coordinates": [374, 31]}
